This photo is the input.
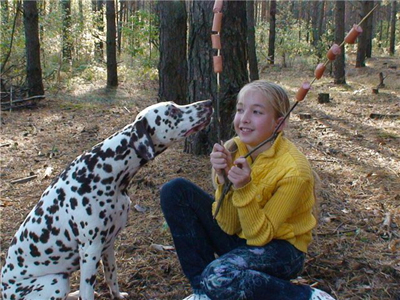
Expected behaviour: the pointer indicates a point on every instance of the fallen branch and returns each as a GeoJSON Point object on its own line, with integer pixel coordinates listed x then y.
{"type": "Point", "coordinates": [382, 116]}
{"type": "Point", "coordinates": [10, 104]}
{"type": "Point", "coordinates": [23, 180]}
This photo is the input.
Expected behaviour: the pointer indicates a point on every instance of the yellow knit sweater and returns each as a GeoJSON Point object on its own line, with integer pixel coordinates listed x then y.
{"type": "Point", "coordinates": [277, 203]}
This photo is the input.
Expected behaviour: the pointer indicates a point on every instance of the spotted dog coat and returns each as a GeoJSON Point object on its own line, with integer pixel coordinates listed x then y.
{"type": "Point", "coordinates": [79, 215]}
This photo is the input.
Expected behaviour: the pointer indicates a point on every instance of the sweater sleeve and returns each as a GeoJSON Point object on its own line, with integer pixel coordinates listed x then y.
{"type": "Point", "coordinates": [227, 217]}
{"type": "Point", "coordinates": [260, 224]}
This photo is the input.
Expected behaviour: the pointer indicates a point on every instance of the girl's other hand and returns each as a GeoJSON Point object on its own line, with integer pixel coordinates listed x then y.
{"type": "Point", "coordinates": [240, 173]}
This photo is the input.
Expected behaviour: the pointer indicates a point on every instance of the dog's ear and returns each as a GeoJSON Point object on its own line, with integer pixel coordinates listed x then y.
{"type": "Point", "coordinates": [141, 141]}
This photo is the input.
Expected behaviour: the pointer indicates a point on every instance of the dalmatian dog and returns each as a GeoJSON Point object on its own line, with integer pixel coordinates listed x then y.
{"type": "Point", "coordinates": [79, 215]}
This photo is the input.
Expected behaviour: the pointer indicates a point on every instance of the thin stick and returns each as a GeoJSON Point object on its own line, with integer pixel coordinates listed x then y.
{"type": "Point", "coordinates": [218, 112]}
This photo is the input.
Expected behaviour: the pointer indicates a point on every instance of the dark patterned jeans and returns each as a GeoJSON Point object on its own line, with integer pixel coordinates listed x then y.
{"type": "Point", "coordinates": [240, 271]}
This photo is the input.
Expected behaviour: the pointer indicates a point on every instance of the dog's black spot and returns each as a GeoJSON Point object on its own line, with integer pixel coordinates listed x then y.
{"type": "Point", "coordinates": [20, 260]}
{"type": "Point", "coordinates": [89, 210]}
{"type": "Point", "coordinates": [39, 211]}
{"type": "Point", "coordinates": [107, 168]}
{"type": "Point", "coordinates": [44, 237]}
{"type": "Point", "coordinates": [53, 209]}
{"type": "Point", "coordinates": [48, 251]}
{"type": "Point", "coordinates": [74, 228]}
{"type": "Point", "coordinates": [108, 180]}
{"type": "Point", "coordinates": [34, 250]}
{"type": "Point", "coordinates": [85, 201]}
{"type": "Point", "coordinates": [62, 246]}
{"type": "Point", "coordinates": [66, 234]}
{"type": "Point", "coordinates": [158, 121]}
{"type": "Point", "coordinates": [34, 237]}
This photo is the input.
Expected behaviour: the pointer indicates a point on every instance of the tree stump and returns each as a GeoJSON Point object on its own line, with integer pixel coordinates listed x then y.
{"type": "Point", "coordinates": [304, 116]}
{"type": "Point", "coordinates": [323, 98]}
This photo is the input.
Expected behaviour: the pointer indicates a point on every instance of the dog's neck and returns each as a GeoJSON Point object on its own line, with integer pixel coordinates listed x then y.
{"type": "Point", "coordinates": [125, 161]}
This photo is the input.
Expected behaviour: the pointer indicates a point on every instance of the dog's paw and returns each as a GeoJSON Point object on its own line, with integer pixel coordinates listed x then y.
{"type": "Point", "coordinates": [75, 295]}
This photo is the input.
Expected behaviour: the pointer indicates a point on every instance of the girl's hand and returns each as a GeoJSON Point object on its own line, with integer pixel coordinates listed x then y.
{"type": "Point", "coordinates": [221, 161]}
{"type": "Point", "coordinates": [240, 173]}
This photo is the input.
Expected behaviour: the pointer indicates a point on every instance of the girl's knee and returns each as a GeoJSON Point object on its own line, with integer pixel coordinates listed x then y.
{"type": "Point", "coordinates": [219, 279]}
{"type": "Point", "coordinates": [170, 189]}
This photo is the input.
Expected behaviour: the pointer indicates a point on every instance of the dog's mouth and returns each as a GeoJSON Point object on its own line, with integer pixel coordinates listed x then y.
{"type": "Point", "coordinates": [209, 112]}
{"type": "Point", "coordinates": [197, 128]}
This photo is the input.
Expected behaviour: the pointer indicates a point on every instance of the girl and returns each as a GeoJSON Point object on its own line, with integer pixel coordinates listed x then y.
{"type": "Point", "coordinates": [263, 229]}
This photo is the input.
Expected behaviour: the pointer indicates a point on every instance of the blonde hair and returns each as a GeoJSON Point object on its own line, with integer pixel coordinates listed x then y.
{"type": "Point", "coordinates": [272, 92]}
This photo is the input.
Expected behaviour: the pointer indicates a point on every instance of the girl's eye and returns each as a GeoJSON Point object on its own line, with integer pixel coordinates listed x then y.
{"type": "Point", "coordinates": [257, 112]}
{"type": "Point", "coordinates": [239, 110]}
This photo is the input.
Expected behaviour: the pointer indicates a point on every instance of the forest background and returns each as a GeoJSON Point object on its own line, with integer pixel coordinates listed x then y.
{"type": "Point", "coordinates": [73, 72]}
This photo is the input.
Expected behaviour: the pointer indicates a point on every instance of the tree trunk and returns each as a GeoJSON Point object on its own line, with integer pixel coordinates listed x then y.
{"type": "Point", "coordinates": [369, 27]}
{"type": "Point", "coordinates": [98, 8]}
{"type": "Point", "coordinates": [315, 22]}
{"type": "Point", "coordinates": [202, 79]}
{"type": "Point", "coordinates": [271, 39]}
{"type": "Point", "coordinates": [112, 75]}
{"type": "Point", "coordinates": [264, 10]}
{"type": "Point", "coordinates": [339, 63]}
{"type": "Point", "coordinates": [393, 28]}
{"type": "Point", "coordinates": [308, 20]}
{"type": "Point", "coordinates": [173, 63]}
{"type": "Point", "coordinates": [251, 41]}
{"type": "Point", "coordinates": [362, 39]}
{"type": "Point", "coordinates": [122, 9]}
{"type": "Point", "coordinates": [66, 41]}
{"type": "Point", "coordinates": [81, 17]}
{"type": "Point", "coordinates": [33, 67]}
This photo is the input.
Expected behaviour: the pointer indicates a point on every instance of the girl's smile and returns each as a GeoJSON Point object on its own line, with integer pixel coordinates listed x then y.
{"type": "Point", "coordinates": [255, 120]}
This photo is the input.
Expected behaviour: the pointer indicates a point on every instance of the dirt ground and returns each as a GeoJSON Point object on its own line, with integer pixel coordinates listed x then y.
{"type": "Point", "coordinates": [356, 248]}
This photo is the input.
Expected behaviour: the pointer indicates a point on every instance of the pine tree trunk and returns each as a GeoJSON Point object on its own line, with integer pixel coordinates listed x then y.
{"type": "Point", "coordinates": [339, 63]}
{"type": "Point", "coordinates": [33, 67]}
{"type": "Point", "coordinates": [66, 41]}
{"type": "Point", "coordinates": [251, 41]}
{"type": "Point", "coordinates": [235, 74]}
{"type": "Point", "coordinates": [122, 10]}
{"type": "Point", "coordinates": [362, 39]}
{"type": "Point", "coordinates": [393, 28]}
{"type": "Point", "coordinates": [97, 8]}
{"type": "Point", "coordinates": [112, 75]}
{"type": "Point", "coordinates": [271, 39]}
{"type": "Point", "coordinates": [315, 22]}
{"type": "Point", "coordinates": [369, 27]}
{"type": "Point", "coordinates": [81, 17]}
{"type": "Point", "coordinates": [202, 79]}
{"type": "Point", "coordinates": [173, 63]}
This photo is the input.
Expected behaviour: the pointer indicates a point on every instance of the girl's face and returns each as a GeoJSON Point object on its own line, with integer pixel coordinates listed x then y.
{"type": "Point", "coordinates": [255, 120]}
